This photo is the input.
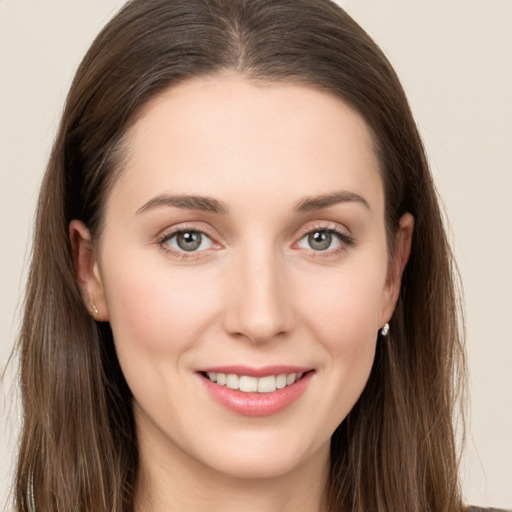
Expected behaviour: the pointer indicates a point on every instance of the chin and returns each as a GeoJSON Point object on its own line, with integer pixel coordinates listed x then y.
{"type": "Point", "coordinates": [265, 458]}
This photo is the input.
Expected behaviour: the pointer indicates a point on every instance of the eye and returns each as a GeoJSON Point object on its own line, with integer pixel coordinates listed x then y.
{"type": "Point", "coordinates": [322, 240]}
{"type": "Point", "coordinates": [189, 241]}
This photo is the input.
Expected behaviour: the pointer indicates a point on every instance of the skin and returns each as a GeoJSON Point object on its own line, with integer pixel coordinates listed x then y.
{"type": "Point", "coordinates": [257, 294]}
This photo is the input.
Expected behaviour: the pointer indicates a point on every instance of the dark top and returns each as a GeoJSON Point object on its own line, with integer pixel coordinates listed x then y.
{"type": "Point", "coordinates": [478, 509]}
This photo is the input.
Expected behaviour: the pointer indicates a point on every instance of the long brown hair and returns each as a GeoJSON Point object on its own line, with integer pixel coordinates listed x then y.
{"type": "Point", "coordinates": [396, 449]}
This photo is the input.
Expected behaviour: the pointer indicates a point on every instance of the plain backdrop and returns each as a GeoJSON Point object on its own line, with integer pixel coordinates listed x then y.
{"type": "Point", "coordinates": [455, 60]}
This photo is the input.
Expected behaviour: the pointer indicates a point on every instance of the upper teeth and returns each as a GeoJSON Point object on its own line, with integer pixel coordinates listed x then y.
{"type": "Point", "coordinates": [254, 384]}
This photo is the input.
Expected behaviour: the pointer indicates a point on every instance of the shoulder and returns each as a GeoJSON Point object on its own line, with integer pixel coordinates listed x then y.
{"type": "Point", "coordinates": [480, 509]}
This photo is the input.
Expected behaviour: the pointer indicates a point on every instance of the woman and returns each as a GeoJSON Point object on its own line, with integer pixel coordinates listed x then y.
{"type": "Point", "coordinates": [241, 292]}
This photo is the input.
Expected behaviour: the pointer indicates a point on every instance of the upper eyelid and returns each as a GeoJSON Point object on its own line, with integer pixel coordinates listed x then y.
{"type": "Point", "coordinates": [172, 234]}
{"type": "Point", "coordinates": [168, 233]}
{"type": "Point", "coordinates": [324, 226]}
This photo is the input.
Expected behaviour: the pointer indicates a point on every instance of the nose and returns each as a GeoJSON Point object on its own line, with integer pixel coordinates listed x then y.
{"type": "Point", "coordinates": [259, 300]}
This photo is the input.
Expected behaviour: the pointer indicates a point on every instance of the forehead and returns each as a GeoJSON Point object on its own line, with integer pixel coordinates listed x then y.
{"type": "Point", "coordinates": [243, 141]}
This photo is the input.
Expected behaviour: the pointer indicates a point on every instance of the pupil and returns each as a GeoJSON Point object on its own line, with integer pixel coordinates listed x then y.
{"type": "Point", "coordinates": [320, 240]}
{"type": "Point", "coordinates": [189, 240]}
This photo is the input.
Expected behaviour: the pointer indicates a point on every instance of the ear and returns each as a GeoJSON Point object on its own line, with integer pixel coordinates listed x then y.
{"type": "Point", "coordinates": [87, 270]}
{"type": "Point", "coordinates": [402, 250]}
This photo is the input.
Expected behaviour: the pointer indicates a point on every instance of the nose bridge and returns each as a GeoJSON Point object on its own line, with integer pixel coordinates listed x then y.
{"type": "Point", "coordinates": [260, 306]}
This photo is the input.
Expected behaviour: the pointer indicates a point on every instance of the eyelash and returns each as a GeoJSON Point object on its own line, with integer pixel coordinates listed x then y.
{"type": "Point", "coordinates": [346, 240]}
{"type": "Point", "coordinates": [182, 255]}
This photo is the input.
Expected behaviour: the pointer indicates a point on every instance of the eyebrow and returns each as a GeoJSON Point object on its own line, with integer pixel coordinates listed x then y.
{"type": "Point", "coordinates": [202, 203]}
{"type": "Point", "coordinates": [209, 204]}
{"type": "Point", "coordinates": [325, 200]}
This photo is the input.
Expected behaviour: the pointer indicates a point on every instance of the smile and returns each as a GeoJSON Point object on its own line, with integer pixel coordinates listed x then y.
{"type": "Point", "coordinates": [249, 384]}
{"type": "Point", "coordinates": [256, 392]}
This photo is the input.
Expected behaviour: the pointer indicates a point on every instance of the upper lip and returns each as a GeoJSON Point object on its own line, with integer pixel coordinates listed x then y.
{"type": "Point", "coordinates": [251, 371]}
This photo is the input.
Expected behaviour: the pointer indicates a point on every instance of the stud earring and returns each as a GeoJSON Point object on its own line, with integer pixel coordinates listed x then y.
{"type": "Point", "coordinates": [384, 331]}
{"type": "Point", "coordinates": [95, 309]}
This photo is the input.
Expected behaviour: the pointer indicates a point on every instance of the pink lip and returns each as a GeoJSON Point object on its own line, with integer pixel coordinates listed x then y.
{"type": "Point", "coordinates": [257, 404]}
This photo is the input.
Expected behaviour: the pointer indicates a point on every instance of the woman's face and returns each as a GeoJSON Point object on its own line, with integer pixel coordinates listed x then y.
{"type": "Point", "coordinates": [245, 237]}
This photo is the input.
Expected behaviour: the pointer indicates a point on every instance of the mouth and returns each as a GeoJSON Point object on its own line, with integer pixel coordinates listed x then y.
{"type": "Point", "coordinates": [256, 392]}
{"type": "Point", "coordinates": [252, 384]}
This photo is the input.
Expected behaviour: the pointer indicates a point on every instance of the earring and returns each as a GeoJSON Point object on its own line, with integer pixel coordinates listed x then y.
{"type": "Point", "coordinates": [384, 331]}
{"type": "Point", "coordinates": [95, 309]}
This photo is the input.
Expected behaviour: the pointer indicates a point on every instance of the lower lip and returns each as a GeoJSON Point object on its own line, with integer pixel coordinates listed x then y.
{"type": "Point", "coordinates": [257, 404]}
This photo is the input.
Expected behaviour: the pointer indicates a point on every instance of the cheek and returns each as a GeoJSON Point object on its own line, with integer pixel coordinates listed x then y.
{"type": "Point", "coordinates": [154, 308]}
{"type": "Point", "coordinates": [347, 329]}
{"type": "Point", "coordinates": [342, 313]}
{"type": "Point", "coordinates": [344, 305]}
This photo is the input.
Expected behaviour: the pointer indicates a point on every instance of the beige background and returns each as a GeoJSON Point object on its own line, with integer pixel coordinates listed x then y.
{"type": "Point", "coordinates": [454, 58]}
